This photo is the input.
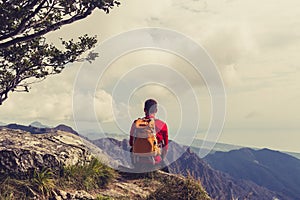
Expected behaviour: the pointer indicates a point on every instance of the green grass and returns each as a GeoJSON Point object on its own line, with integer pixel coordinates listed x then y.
{"type": "Point", "coordinates": [100, 197]}
{"type": "Point", "coordinates": [87, 177]}
{"type": "Point", "coordinates": [180, 189]}
{"type": "Point", "coordinates": [91, 176]}
{"type": "Point", "coordinates": [43, 182]}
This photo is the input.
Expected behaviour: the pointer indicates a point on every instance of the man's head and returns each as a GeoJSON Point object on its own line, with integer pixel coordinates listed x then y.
{"type": "Point", "coordinates": [150, 107]}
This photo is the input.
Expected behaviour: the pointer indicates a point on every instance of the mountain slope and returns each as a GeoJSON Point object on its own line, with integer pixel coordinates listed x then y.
{"type": "Point", "coordinates": [271, 169]}
{"type": "Point", "coordinates": [197, 146]}
{"type": "Point", "coordinates": [61, 166]}
{"type": "Point", "coordinates": [218, 185]}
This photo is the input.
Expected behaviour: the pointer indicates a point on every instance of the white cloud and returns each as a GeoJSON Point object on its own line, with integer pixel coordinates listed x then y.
{"type": "Point", "coordinates": [49, 101]}
{"type": "Point", "coordinates": [104, 106]}
{"type": "Point", "coordinates": [254, 43]}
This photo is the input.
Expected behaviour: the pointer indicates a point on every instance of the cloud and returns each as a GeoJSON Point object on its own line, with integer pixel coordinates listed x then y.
{"type": "Point", "coordinates": [46, 101]}
{"type": "Point", "coordinates": [104, 106]}
{"type": "Point", "coordinates": [253, 43]}
{"type": "Point", "coordinates": [231, 75]}
{"type": "Point", "coordinates": [252, 115]}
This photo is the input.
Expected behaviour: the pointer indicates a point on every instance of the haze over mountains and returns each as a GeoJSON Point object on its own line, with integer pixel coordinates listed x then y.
{"type": "Point", "coordinates": [197, 143]}
{"type": "Point", "coordinates": [2, 124]}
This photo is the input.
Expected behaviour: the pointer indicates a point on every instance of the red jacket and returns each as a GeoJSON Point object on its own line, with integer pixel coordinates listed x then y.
{"type": "Point", "coordinates": [161, 136]}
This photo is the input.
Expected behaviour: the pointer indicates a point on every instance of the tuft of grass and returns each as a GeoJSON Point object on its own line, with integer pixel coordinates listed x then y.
{"type": "Point", "coordinates": [41, 184]}
{"type": "Point", "coordinates": [43, 181]}
{"type": "Point", "coordinates": [180, 189]}
{"type": "Point", "coordinates": [100, 197]}
{"type": "Point", "coordinates": [88, 177]}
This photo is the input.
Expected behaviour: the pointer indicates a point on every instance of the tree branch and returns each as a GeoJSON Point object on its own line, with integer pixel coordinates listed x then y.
{"type": "Point", "coordinates": [21, 27]}
{"type": "Point", "coordinates": [48, 29]}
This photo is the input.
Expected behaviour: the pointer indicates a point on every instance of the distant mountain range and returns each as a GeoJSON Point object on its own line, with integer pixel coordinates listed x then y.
{"type": "Point", "coordinates": [37, 130]}
{"type": "Point", "coordinates": [39, 125]}
{"type": "Point", "coordinates": [218, 184]}
{"type": "Point", "coordinates": [217, 146]}
{"type": "Point", "coordinates": [197, 144]}
{"type": "Point", "coordinates": [274, 170]}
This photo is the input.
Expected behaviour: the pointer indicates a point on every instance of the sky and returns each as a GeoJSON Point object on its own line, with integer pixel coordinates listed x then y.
{"type": "Point", "coordinates": [254, 45]}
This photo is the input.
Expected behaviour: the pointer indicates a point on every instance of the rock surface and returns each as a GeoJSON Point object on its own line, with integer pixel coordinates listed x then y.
{"type": "Point", "coordinates": [21, 152]}
{"type": "Point", "coordinates": [75, 195]}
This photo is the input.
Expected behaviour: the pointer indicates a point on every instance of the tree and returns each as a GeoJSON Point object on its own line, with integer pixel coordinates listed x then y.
{"type": "Point", "coordinates": [25, 56]}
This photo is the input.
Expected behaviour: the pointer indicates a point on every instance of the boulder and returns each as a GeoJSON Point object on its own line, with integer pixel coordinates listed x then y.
{"type": "Point", "coordinates": [22, 152]}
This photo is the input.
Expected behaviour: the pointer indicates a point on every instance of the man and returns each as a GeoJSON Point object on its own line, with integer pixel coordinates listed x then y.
{"type": "Point", "coordinates": [161, 129]}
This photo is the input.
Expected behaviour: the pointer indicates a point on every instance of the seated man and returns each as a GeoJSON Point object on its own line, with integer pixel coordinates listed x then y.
{"type": "Point", "coordinates": [160, 140]}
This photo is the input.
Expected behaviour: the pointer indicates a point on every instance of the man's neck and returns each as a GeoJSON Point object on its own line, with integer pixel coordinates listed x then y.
{"type": "Point", "coordinates": [150, 115]}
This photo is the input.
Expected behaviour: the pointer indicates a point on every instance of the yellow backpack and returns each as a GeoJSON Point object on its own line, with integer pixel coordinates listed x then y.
{"type": "Point", "coordinates": [145, 142]}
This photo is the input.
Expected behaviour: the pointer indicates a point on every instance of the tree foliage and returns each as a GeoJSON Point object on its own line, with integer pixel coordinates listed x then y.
{"type": "Point", "coordinates": [25, 56]}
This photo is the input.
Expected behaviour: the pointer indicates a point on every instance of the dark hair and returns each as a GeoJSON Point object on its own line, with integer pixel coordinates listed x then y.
{"type": "Point", "coordinates": [150, 106]}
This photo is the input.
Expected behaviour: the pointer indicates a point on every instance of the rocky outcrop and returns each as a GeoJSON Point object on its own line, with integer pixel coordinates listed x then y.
{"type": "Point", "coordinates": [22, 152]}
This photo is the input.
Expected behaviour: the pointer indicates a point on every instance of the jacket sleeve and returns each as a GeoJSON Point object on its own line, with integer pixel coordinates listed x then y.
{"type": "Point", "coordinates": [166, 140]}
{"type": "Point", "coordinates": [132, 129]}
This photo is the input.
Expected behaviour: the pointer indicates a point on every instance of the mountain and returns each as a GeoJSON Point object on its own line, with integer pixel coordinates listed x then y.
{"type": "Point", "coordinates": [274, 170]}
{"type": "Point", "coordinates": [38, 125]}
{"type": "Point", "coordinates": [218, 185]}
{"type": "Point", "coordinates": [61, 165]}
{"type": "Point", "coordinates": [296, 155]}
{"type": "Point", "coordinates": [117, 150]}
{"type": "Point", "coordinates": [196, 146]}
{"type": "Point", "coordinates": [37, 130]}
{"type": "Point", "coordinates": [182, 160]}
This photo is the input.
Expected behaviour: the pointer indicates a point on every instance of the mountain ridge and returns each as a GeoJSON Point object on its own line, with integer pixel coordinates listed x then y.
{"type": "Point", "coordinates": [274, 170]}
{"type": "Point", "coordinates": [217, 184]}
{"type": "Point", "coordinates": [40, 130]}
{"type": "Point", "coordinates": [214, 182]}
{"type": "Point", "coordinates": [31, 164]}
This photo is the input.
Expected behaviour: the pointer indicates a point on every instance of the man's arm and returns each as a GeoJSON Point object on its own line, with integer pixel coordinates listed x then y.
{"type": "Point", "coordinates": [166, 141]}
{"type": "Point", "coordinates": [131, 134]}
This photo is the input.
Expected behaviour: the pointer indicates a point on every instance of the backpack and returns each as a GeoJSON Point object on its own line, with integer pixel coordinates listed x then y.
{"type": "Point", "coordinates": [145, 142]}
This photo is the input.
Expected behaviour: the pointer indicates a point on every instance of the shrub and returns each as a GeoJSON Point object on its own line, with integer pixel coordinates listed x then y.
{"type": "Point", "coordinates": [180, 189]}
{"type": "Point", "coordinates": [40, 185]}
{"type": "Point", "coordinates": [91, 176]}
{"type": "Point", "coordinates": [43, 181]}
{"type": "Point", "coordinates": [100, 197]}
